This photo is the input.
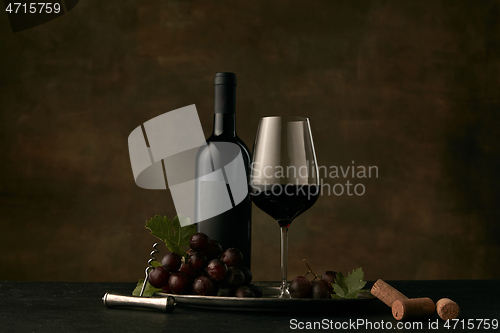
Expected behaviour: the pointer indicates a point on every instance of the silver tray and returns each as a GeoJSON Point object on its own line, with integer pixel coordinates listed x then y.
{"type": "Point", "coordinates": [269, 301]}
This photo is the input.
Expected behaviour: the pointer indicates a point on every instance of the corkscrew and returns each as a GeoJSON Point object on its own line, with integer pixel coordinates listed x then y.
{"type": "Point", "coordinates": [150, 267]}
{"type": "Point", "coordinates": [166, 304]}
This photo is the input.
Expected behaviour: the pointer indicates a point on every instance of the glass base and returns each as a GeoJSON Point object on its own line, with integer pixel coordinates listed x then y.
{"type": "Point", "coordinates": [284, 292]}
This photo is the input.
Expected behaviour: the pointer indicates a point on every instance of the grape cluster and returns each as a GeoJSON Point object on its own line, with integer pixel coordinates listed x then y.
{"type": "Point", "coordinates": [320, 287]}
{"type": "Point", "coordinates": [207, 271]}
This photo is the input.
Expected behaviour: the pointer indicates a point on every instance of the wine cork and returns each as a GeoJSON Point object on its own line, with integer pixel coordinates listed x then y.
{"type": "Point", "coordinates": [447, 309]}
{"type": "Point", "coordinates": [413, 308]}
{"type": "Point", "coordinates": [386, 293]}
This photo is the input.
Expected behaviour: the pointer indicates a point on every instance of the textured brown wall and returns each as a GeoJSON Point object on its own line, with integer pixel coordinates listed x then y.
{"type": "Point", "coordinates": [408, 86]}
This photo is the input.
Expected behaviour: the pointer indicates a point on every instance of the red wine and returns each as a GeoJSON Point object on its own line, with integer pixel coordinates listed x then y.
{"type": "Point", "coordinates": [284, 202]}
{"type": "Point", "coordinates": [232, 228]}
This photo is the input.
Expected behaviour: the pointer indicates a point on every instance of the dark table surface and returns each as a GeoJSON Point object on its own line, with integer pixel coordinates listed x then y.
{"type": "Point", "coordinates": [78, 307]}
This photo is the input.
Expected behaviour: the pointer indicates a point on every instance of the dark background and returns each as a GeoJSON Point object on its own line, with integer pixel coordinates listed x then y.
{"type": "Point", "coordinates": [411, 87]}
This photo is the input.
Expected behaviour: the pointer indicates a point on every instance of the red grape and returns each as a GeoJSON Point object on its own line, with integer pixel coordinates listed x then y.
{"type": "Point", "coordinates": [248, 274]}
{"type": "Point", "coordinates": [320, 289]}
{"type": "Point", "coordinates": [329, 278]}
{"type": "Point", "coordinates": [171, 262]}
{"type": "Point", "coordinates": [203, 286]}
{"type": "Point", "coordinates": [158, 277]}
{"type": "Point", "coordinates": [197, 261]}
{"type": "Point", "coordinates": [232, 257]}
{"type": "Point", "coordinates": [225, 292]}
{"type": "Point", "coordinates": [199, 241]}
{"type": "Point", "coordinates": [188, 270]}
{"type": "Point", "coordinates": [235, 277]}
{"type": "Point", "coordinates": [256, 289]}
{"type": "Point", "coordinates": [244, 291]}
{"type": "Point", "coordinates": [178, 283]}
{"type": "Point", "coordinates": [213, 250]}
{"type": "Point", "coordinates": [300, 287]}
{"type": "Point", "coordinates": [217, 270]}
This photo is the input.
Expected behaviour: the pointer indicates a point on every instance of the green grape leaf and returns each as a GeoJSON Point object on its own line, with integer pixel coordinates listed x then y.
{"type": "Point", "coordinates": [148, 291]}
{"type": "Point", "coordinates": [155, 264]}
{"type": "Point", "coordinates": [171, 233]}
{"type": "Point", "coordinates": [340, 285]}
{"type": "Point", "coordinates": [185, 232]}
{"type": "Point", "coordinates": [350, 286]}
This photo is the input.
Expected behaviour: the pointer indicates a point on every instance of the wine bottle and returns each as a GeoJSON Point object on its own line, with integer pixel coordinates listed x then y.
{"type": "Point", "coordinates": [216, 168]}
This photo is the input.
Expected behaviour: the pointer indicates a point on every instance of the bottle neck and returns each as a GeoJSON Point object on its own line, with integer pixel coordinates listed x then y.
{"type": "Point", "coordinates": [225, 106]}
{"type": "Point", "coordinates": [224, 125]}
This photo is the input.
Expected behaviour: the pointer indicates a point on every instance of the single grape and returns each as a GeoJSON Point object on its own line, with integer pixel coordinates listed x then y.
{"type": "Point", "coordinates": [203, 286]}
{"type": "Point", "coordinates": [235, 277]}
{"type": "Point", "coordinates": [232, 257]}
{"type": "Point", "coordinates": [171, 262]}
{"type": "Point", "coordinates": [244, 291]}
{"type": "Point", "coordinates": [158, 277]}
{"type": "Point", "coordinates": [178, 283]}
{"type": "Point", "coordinates": [217, 270]}
{"type": "Point", "coordinates": [199, 241]}
{"type": "Point", "coordinates": [213, 250]}
{"type": "Point", "coordinates": [197, 261]}
{"type": "Point", "coordinates": [256, 289]}
{"type": "Point", "coordinates": [248, 274]}
{"type": "Point", "coordinates": [188, 270]}
{"type": "Point", "coordinates": [329, 278]}
{"type": "Point", "coordinates": [320, 289]}
{"type": "Point", "coordinates": [300, 287]}
{"type": "Point", "coordinates": [225, 292]}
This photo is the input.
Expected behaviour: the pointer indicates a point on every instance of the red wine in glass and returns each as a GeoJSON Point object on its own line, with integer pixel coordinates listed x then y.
{"type": "Point", "coordinates": [284, 202]}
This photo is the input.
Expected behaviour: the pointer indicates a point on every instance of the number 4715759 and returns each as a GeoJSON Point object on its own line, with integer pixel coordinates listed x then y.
{"type": "Point", "coordinates": [33, 8]}
{"type": "Point", "coordinates": [472, 324]}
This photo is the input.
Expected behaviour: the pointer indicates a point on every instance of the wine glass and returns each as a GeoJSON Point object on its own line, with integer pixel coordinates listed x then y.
{"type": "Point", "coordinates": [284, 176]}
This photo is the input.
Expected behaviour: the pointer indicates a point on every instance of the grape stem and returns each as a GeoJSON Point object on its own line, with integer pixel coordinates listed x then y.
{"type": "Point", "coordinates": [188, 253]}
{"type": "Point", "coordinates": [316, 276]}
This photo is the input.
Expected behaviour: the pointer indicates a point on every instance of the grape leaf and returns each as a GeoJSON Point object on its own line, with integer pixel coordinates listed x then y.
{"type": "Point", "coordinates": [171, 233]}
{"type": "Point", "coordinates": [155, 264]}
{"type": "Point", "coordinates": [340, 286]}
{"type": "Point", "coordinates": [350, 286]}
{"type": "Point", "coordinates": [148, 291]}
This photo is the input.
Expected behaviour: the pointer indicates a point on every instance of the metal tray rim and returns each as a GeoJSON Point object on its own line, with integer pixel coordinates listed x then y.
{"type": "Point", "coordinates": [266, 302]}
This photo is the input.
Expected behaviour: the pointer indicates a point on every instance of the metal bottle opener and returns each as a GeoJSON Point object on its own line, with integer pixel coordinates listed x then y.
{"type": "Point", "coordinates": [166, 304]}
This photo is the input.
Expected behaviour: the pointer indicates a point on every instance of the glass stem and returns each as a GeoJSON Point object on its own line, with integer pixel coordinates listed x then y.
{"type": "Point", "coordinates": [284, 293]}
